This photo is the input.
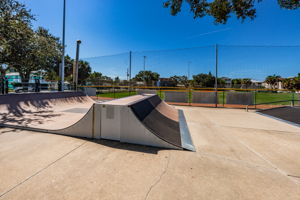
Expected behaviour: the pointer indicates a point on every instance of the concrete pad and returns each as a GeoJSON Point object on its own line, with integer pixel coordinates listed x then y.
{"type": "Point", "coordinates": [240, 155]}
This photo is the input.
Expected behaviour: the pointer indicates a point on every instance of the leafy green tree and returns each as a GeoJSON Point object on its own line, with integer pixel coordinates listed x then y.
{"type": "Point", "coordinates": [84, 70]}
{"type": "Point", "coordinates": [204, 80]}
{"type": "Point", "coordinates": [236, 83]}
{"type": "Point", "coordinates": [15, 33]}
{"type": "Point", "coordinates": [22, 48]}
{"type": "Point", "coordinates": [147, 76]}
{"type": "Point", "coordinates": [222, 10]}
{"type": "Point", "coordinates": [95, 78]}
{"type": "Point", "coordinates": [246, 82]}
{"type": "Point", "coordinates": [181, 80]}
{"type": "Point", "coordinates": [292, 83]}
{"type": "Point", "coordinates": [272, 80]}
{"type": "Point", "coordinates": [117, 80]}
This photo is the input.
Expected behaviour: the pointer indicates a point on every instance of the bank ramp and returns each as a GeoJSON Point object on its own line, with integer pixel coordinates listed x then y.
{"type": "Point", "coordinates": [140, 119]}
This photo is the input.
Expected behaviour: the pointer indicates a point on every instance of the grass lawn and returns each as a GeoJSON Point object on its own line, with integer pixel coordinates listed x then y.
{"type": "Point", "coordinates": [265, 97]}
{"type": "Point", "coordinates": [117, 94]}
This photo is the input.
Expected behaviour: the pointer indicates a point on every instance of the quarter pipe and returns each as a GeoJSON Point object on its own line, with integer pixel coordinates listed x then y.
{"type": "Point", "coordinates": [140, 119]}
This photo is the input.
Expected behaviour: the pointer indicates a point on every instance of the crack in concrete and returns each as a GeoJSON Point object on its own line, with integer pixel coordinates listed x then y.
{"type": "Point", "coordinates": [41, 170]}
{"type": "Point", "coordinates": [159, 178]}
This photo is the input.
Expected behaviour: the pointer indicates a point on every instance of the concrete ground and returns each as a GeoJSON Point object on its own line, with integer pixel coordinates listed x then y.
{"type": "Point", "coordinates": [240, 155]}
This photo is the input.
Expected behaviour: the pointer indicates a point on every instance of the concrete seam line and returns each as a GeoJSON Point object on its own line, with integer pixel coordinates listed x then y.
{"type": "Point", "coordinates": [41, 170]}
{"type": "Point", "coordinates": [273, 165]}
{"type": "Point", "coordinates": [159, 178]}
{"type": "Point", "coordinates": [268, 131]}
{"type": "Point", "coordinates": [240, 162]}
{"type": "Point", "coordinates": [269, 162]}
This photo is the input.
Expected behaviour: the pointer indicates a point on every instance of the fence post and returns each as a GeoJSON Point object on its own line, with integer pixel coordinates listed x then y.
{"type": "Point", "coordinates": [216, 79]}
{"type": "Point", "coordinates": [130, 63]}
{"type": "Point", "coordinates": [293, 98]}
{"type": "Point", "coordinates": [223, 98]}
{"type": "Point", "coordinates": [114, 90]}
{"type": "Point", "coordinates": [255, 99]}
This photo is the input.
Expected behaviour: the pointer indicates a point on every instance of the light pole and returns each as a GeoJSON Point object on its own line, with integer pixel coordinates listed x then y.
{"type": "Point", "coordinates": [145, 70]}
{"type": "Point", "coordinates": [76, 64]}
{"type": "Point", "coordinates": [189, 64]}
{"type": "Point", "coordinates": [145, 63]}
{"type": "Point", "coordinates": [62, 71]}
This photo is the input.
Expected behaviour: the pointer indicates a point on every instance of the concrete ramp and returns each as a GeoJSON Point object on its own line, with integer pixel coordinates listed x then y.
{"type": "Point", "coordinates": [140, 119]}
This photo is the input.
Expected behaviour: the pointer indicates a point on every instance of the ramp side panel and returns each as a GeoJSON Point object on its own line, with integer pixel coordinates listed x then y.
{"type": "Point", "coordinates": [111, 122]}
{"type": "Point", "coordinates": [186, 138]}
{"type": "Point", "coordinates": [82, 128]}
{"type": "Point", "coordinates": [97, 121]}
{"type": "Point", "coordinates": [133, 131]}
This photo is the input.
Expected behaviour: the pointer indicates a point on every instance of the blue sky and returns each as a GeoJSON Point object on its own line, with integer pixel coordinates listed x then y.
{"type": "Point", "coordinates": [108, 27]}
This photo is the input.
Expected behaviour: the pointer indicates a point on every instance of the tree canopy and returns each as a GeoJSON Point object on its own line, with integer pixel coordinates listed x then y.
{"type": "Point", "coordinates": [147, 76]}
{"type": "Point", "coordinates": [25, 50]}
{"type": "Point", "coordinates": [222, 10]}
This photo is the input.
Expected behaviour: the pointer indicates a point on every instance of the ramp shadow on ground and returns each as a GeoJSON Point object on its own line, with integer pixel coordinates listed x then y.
{"type": "Point", "coordinates": [127, 146]}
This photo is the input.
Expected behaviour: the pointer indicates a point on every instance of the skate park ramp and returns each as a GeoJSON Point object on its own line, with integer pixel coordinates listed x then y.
{"type": "Point", "coordinates": [140, 119]}
{"type": "Point", "coordinates": [288, 114]}
{"type": "Point", "coordinates": [44, 110]}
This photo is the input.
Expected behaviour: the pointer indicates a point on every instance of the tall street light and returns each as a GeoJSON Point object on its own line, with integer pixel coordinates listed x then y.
{"type": "Point", "coordinates": [62, 71]}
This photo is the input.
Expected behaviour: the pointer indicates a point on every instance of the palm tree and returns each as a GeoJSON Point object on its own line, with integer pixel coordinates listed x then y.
{"type": "Point", "coordinates": [273, 80]}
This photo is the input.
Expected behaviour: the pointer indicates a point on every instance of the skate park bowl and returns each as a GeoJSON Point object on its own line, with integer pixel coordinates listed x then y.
{"type": "Point", "coordinates": [140, 119]}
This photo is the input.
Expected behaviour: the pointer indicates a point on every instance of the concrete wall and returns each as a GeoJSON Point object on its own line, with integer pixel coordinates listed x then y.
{"type": "Point", "coordinates": [204, 97]}
{"type": "Point", "coordinates": [178, 97]}
{"type": "Point", "coordinates": [240, 98]}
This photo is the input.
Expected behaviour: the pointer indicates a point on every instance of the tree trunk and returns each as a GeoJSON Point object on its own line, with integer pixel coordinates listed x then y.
{"type": "Point", "coordinates": [25, 77]}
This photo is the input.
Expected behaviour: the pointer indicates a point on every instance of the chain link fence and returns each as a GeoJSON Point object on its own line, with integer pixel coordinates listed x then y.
{"type": "Point", "coordinates": [217, 75]}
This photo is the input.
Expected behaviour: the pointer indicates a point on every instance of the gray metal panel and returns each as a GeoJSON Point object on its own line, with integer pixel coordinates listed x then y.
{"type": "Point", "coordinates": [240, 98]}
{"type": "Point", "coordinates": [140, 92]}
{"type": "Point", "coordinates": [97, 121]}
{"type": "Point", "coordinates": [133, 131]}
{"type": "Point", "coordinates": [204, 97]}
{"type": "Point", "coordinates": [110, 122]}
{"type": "Point", "coordinates": [186, 139]}
{"type": "Point", "coordinates": [178, 97]}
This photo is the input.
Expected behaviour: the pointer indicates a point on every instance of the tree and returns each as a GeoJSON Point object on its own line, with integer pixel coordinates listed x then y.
{"type": "Point", "coordinates": [292, 83]}
{"type": "Point", "coordinates": [15, 33]}
{"type": "Point", "coordinates": [204, 80]}
{"type": "Point", "coordinates": [246, 82]}
{"type": "Point", "coordinates": [182, 80]}
{"type": "Point", "coordinates": [272, 80]}
{"type": "Point", "coordinates": [236, 83]}
{"type": "Point", "coordinates": [148, 76]}
{"type": "Point", "coordinates": [43, 54]}
{"type": "Point", "coordinates": [84, 70]}
{"type": "Point", "coordinates": [95, 78]}
{"type": "Point", "coordinates": [221, 10]}
{"type": "Point", "coordinates": [117, 80]}
{"type": "Point", "coordinates": [22, 48]}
